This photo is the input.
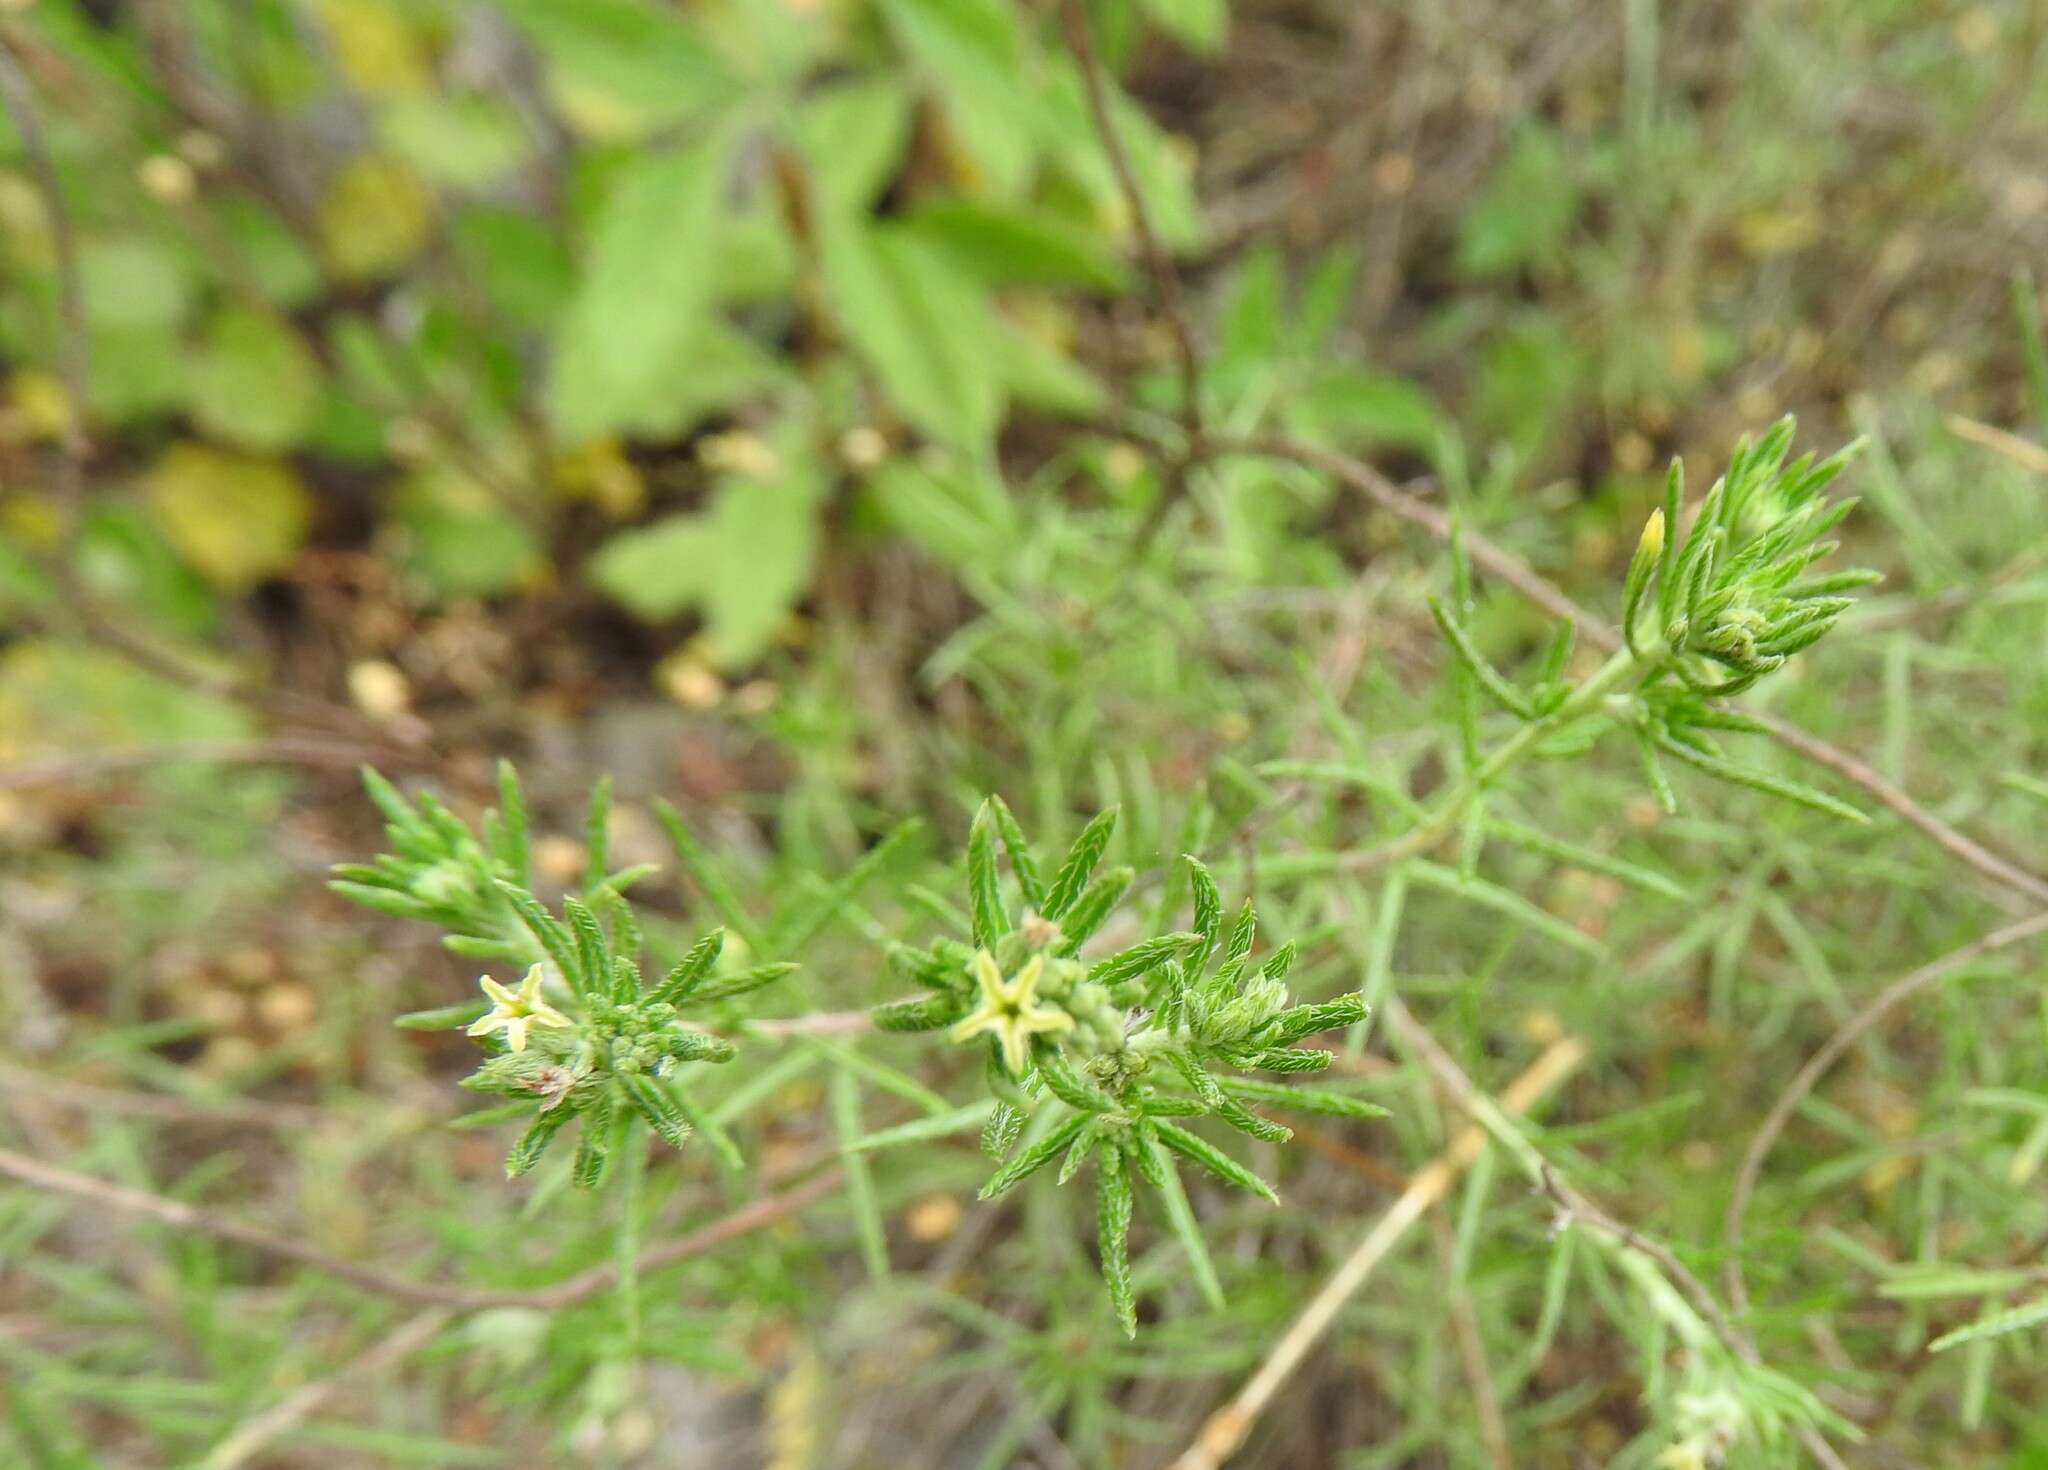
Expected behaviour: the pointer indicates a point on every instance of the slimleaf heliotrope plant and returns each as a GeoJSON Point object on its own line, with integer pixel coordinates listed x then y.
{"type": "Point", "coordinates": [1110, 1061]}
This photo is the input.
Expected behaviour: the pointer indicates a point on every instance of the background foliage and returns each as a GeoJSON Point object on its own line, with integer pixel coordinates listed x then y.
{"type": "Point", "coordinates": [758, 402]}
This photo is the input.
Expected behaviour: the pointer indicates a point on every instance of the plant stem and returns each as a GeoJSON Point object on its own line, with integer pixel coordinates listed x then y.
{"type": "Point", "coordinates": [632, 1187]}
{"type": "Point", "coordinates": [1443, 817]}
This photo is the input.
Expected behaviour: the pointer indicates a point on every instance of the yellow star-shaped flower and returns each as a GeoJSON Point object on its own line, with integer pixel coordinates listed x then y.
{"type": "Point", "coordinates": [1011, 1009]}
{"type": "Point", "coordinates": [514, 1011]}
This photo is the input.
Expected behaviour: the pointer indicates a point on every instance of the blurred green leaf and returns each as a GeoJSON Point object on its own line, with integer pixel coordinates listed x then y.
{"type": "Point", "coordinates": [743, 563]}
{"type": "Point", "coordinates": [1003, 245]}
{"type": "Point", "coordinates": [252, 382]}
{"type": "Point", "coordinates": [465, 142]}
{"type": "Point", "coordinates": [919, 323]}
{"type": "Point", "coordinates": [646, 288]}
{"type": "Point", "coordinates": [974, 54]}
{"type": "Point", "coordinates": [57, 696]}
{"type": "Point", "coordinates": [461, 542]}
{"type": "Point", "coordinates": [853, 136]}
{"type": "Point", "coordinates": [1521, 215]}
{"type": "Point", "coordinates": [374, 217]}
{"type": "Point", "coordinates": [619, 68]}
{"type": "Point", "coordinates": [1200, 25]}
{"type": "Point", "coordinates": [133, 281]}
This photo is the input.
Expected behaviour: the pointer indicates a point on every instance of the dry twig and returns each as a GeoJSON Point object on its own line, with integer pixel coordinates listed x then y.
{"type": "Point", "coordinates": [1225, 1431]}
{"type": "Point", "coordinates": [104, 1194]}
{"type": "Point", "coordinates": [1802, 1085]}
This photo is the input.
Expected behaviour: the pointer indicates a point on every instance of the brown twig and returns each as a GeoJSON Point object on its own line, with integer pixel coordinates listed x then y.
{"type": "Point", "coordinates": [1518, 574]}
{"type": "Point", "coordinates": [104, 1194]}
{"type": "Point", "coordinates": [17, 99]}
{"type": "Point", "coordinates": [1576, 1207]}
{"type": "Point", "coordinates": [1225, 1431]}
{"type": "Point", "coordinates": [280, 750]}
{"type": "Point", "coordinates": [1493, 1429]}
{"type": "Point", "coordinates": [1880, 1005]}
{"type": "Point", "coordinates": [254, 1434]}
{"type": "Point", "coordinates": [1158, 262]}
{"type": "Point", "coordinates": [164, 1107]}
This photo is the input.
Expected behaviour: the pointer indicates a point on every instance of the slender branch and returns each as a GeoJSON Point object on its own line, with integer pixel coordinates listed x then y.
{"type": "Point", "coordinates": [17, 97]}
{"type": "Point", "coordinates": [1225, 1431]}
{"type": "Point", "coordinates": [1802, 1085]}
{"type": "Point", "coordinates": [1158, 264]}
{"type": "Point", "coordinates": [1493, 1429]}
{"type": "Point", "coordinates": [1518, 574]}
{"type": "Point", "coordinates": [279, 750]}
{"type": "Point", "coordinates": [1575, 1206]}
{"type": "Point", "coordinates": [104, 1194]}
{"type": "Point", "coordinates": [259, 1431]}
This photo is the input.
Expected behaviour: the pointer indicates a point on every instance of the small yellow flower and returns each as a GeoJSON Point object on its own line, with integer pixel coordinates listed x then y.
{"type": "Point", "coordinates": [514, 1012]}
{"type": "Point", "coordinates": [1011, 1009]}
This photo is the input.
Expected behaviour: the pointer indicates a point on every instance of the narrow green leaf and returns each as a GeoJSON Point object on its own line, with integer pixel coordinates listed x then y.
{"type": "Point", "coordinates": [1080, 862]}
{"type": "Point", "coordinates": [679, 983]}
{"type": "Point", "coordinates": [1034, 1157]}
{"type": "Point", "coordinates": [1212, 1158]}
{"type": "Point", "coordinates": [1113, 1229]}
{"type": "Point", "coordinates": [1998, 1324]}
{"type": "Point", "coordinates": [1022, 863]}
{"type": "Point", "coordinates": [1506, 695]}
{"type": "Point", "coordinates": [984, 886]}
{"type": "Point", "coordinates": [705, 871]}
{"type": "Point", "coordinates": [860, 1183]}
{"type": "Point", "coordinates": [1158, 1168]}
{"type": "Point", "coordinates": [1763, 781]}
{"type": "Point", "coordinates": [923, 1130]}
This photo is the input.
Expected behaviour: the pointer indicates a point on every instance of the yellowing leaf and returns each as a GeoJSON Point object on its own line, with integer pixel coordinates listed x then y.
{"type": "Point", "coordinates": [253, 382]}
{"type": "Point", "coordinates": [373, 217]}
{"type": "Point", "coordinates": [237, 518]}
{"type": "Point", "coordinates": [378, 51]}
{"type": "Point", "coordinates": [600, 472]}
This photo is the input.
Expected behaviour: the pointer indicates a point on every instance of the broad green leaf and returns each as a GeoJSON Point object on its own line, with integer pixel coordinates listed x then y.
{"type": "Point", "coordinates": [269, 258]}
{"type": "Point", "coordinates": [378, 49]}
{"type": "Point", "coordinates": [1351, 405]}
{"type": "Point", "coordinates": [518, 263]}
{"type": "Point", "coordinates": [253, 382]}
{"type": "Point", "coordinates": [921, 325]}
{"type": "Point", "coordinates": [126, 561]}
{"type": "Point", "coordinates": [958, 514]}
{"type": "Point", "coordinates": [237, 518]}
{"type": "Point", "coordinates": [646, 287]}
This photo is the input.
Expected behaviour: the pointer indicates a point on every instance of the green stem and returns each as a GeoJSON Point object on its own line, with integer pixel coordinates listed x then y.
{"type": "Point", "coordinates": [1442, 819]}
{"type": "Point", "coordinates": [632, 1188]}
